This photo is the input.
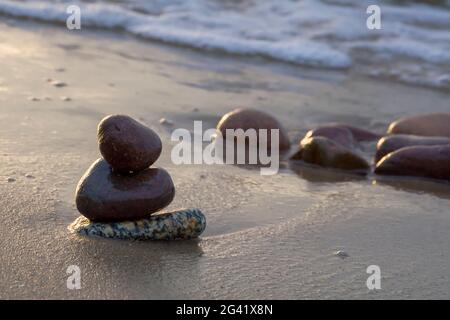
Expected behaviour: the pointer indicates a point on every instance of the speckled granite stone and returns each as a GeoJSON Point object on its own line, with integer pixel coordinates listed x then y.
{"type": "Point", "coordinates": [176, 225]}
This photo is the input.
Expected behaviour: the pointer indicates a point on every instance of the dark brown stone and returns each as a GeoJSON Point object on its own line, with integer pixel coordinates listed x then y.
{"type": "Point", "coordinates": [126, 144]}
{"type": "Point", "coordinates": [253, 119]}
{"type": "Point", "coordinates": [339, 134]}
{"type": "Point", "coordinates": [328, 153]}
{"type": "Point", "coordinates": [346, 135]}
{"type": "Point", "coordinates": [392, 143]}
{"type": "Point", "coordinates": [420, 161]}
{"type": "Point", "coordinates": [103, 195]}
{"type": "Point", "coordinates": [431, 124]}
{"type": "Point", "coordinates": [362, 134]}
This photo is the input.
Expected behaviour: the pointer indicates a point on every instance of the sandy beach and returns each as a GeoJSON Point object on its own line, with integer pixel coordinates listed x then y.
{"type": "Point", "coordinates": [267, 237]}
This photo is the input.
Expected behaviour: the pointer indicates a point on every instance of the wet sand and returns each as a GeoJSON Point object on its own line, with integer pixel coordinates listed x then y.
{"type": "Point", "coordinates": [268, 237]}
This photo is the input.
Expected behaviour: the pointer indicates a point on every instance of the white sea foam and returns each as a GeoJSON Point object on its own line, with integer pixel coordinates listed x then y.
{"type": "Point", "coordinates": [327, 33]}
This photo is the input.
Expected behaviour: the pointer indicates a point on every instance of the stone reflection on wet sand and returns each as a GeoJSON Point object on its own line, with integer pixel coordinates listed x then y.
{"type": "Point", "coordinates": [437, 188]}
{"type": "Point", "coordinates": [316, 174]}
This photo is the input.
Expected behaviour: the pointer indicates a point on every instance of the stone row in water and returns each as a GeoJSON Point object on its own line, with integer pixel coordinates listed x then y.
{"type": "Point", "coordinates": [414, 146]}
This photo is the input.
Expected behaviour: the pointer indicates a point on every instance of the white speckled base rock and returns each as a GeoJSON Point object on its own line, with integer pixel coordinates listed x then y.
{"type": "Point", "coordinates": [176, 225]}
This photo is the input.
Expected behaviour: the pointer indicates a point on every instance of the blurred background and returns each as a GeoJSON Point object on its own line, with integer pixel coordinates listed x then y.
{"type": "Point", "coordinates": [413, 45]}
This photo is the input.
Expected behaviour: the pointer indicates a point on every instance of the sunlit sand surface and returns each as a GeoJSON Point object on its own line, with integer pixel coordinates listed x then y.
{"type": "Point", "coordinates": [266, 236]}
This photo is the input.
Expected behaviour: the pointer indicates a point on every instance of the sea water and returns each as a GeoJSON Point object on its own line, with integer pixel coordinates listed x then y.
{"type": "Point", "coordinates": [413, 44]}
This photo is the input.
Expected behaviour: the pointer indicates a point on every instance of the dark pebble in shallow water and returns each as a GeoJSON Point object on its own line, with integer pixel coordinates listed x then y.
{"type": "Point", "coordinates": [106, 196]}
{"type": "Point", "coordinates": [431, 124]}
{"type": "Point", "coordinates": [338, 134]}
{"type": "Point", "coordinates": [126, 144]}
{"type": "Point", "coordinates": [392, 143]}
{"type": "Point", "coordinates": [420, 161]}
{"type": "Point", "coordinates": [328, 153]}
{"type": "Point", "coordinates": [253, 119]}
{"type": "Point", "coordinates": [346, 135]}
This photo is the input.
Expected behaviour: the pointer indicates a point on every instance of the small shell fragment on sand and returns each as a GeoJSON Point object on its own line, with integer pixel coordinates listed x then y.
{"type": "Point", "coordinates": [166, 122]}
{"type": "Point", "coordinates": [66, 99]}
{"type": "Point", "coordinates": [341, 254]}
{"type": "Point", "coordinates": [177, 225]}
{"type": "Point", "coordinates": [58, 84]}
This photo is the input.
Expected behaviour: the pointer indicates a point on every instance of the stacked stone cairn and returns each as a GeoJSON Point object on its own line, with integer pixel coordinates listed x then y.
{"type": "Point", "coordinates": [119, 194]}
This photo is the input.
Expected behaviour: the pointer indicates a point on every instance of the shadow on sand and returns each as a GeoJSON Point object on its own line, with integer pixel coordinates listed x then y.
{"type": "Point", "coordinates": [314, 173]}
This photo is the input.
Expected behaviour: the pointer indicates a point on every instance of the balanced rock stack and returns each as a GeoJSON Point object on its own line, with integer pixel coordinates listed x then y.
{"type": "Point", "coordinates": [119, 192]}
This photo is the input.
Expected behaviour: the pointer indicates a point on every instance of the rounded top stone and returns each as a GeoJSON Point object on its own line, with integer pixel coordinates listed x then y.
{"type": "Point", "coordinates": [126, 144]}
{"type": "Point", "coordinates": [429, 124]}
{"type": "Point", "coordinates": [246, 118]}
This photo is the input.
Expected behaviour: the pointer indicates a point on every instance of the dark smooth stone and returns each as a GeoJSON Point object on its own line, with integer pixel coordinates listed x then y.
{"type": "Point", "coordinates": [126, 144]}
{"type": "Point", "coordinates": [344, 134]}
{"type": "Point", "coordinates": [420, 161]}
{"type": "Point", "coordinates": [339, 134]}
{"type": "Point", "coordinates": [103, 195]}
{"type": "Point", "coordinates": [362, 134]}
{"type": "Point", "coordinates": [392, 143]}
{"type": "Point", "coordinates": [254, 119]}
{"type": "Point", "coordinates": [431, 124]}
{"type": "Point", "coordinates": [328, 153]}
